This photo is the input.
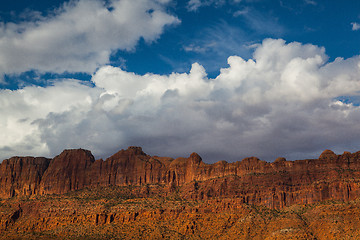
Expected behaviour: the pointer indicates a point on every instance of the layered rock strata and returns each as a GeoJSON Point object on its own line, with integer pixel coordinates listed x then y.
{"type": "Point", "coordinates": [275, 185]}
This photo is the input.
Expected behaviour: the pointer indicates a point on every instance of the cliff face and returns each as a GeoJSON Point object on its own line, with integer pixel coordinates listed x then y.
{"type": "Point", "coordinates": [275, 185]}
{"type": "Point", "coordinates": [67, 171]}
{"type": "Point", "coordinates": [21, 176]}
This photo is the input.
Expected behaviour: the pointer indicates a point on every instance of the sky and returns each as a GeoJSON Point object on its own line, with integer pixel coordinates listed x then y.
{"type": "Point", "coordinates": [227, 79]}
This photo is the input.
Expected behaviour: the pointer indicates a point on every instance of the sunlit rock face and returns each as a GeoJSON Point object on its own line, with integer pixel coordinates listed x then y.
{"type": "Point", "coordinates": [21, 176]}
{"type": "Point", "coordinates": [275, 185]}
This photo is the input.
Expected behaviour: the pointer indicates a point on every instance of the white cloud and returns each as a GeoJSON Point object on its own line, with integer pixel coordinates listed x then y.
{"type": "Point", "coordinates": [282, 102]}
{"type": "Point", "coordinates": [311, 2]}
{"type": "Point", "coordinates": [21, 110]}
{"type": "Point", "coordinates": [223, 40]}
{"type": "Point", "coordinates": [194, 5]}
{"type": "Point", "coordinates": [80, 36]}
{"type": "Point", "coordinates": [200, 49]}
{"type": "Point", "coordinates": [241, 12]}
{"type": "Point", "coordinates": [355, 26]}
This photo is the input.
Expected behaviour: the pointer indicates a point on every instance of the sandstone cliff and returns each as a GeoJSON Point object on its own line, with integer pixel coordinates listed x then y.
{"type": "Point", "coordinates": [275, 185]}
{"type": "Point", "coordinates": [21, 175]}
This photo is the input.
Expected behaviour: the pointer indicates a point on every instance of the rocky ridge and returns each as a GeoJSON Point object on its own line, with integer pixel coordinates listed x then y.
{"type": "Point", "coordinates": [253, 181]}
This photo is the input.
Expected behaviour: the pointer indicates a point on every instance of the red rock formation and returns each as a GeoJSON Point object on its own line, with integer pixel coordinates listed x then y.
{"type": "Point", "coordinates": [21, 175]}
{"type": "Point", "coordinates": [278, 184]}
{"type": "Point", "coordinates": [67, 172]}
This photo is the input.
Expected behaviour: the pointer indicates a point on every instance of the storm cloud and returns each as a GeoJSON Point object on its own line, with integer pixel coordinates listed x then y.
{"type": "Point", "coordinates": [287, 100]}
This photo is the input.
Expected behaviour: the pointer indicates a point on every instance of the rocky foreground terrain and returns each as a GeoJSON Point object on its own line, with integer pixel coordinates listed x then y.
{"type": "Point", "coordinates": [132, 195]}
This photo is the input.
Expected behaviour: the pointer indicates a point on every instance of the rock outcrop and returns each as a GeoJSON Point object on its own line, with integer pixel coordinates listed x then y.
{"type": "Point", "coordinates": [67, 171]}
{"type": "Point", "coordinates": [21, 176]}
{"type": "Point", "coordinates": [275, 185]}
{"type": "Point", "coordinates": [113, 213]}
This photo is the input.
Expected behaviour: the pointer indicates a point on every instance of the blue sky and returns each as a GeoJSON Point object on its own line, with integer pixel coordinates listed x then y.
{"type": "Point", "coordinates": [227, 79]}
{"type": "Point", "coordinates": [211, 31]}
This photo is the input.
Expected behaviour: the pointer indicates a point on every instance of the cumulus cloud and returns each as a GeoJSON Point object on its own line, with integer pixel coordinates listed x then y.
{"type": "Point", "coordinates": [284, 101]}
{"type": "Point", "coordinates": [22, 110]}
{"type": "Point", "coordinates": [80, 35]}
